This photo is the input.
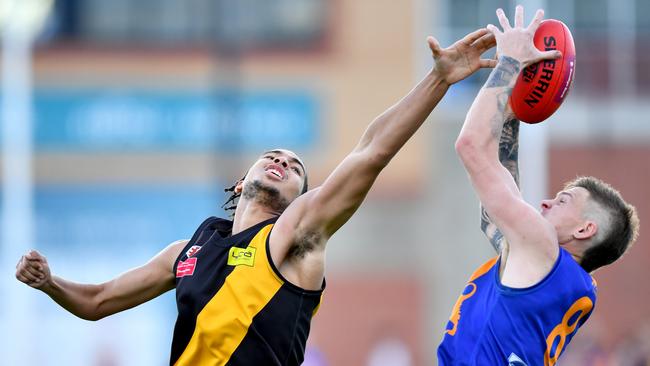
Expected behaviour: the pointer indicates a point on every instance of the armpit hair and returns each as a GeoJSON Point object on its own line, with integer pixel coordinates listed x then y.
{"type": "Point", "coordinates": [306, 243]}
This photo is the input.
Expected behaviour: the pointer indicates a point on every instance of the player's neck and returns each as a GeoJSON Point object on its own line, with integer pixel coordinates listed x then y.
{"type": "Point", "coordinates": [575, 248]}
{"type": "Point", "coordinates": [250, 213]}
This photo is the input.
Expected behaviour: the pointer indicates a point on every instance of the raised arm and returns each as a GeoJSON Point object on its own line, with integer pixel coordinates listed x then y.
{"type": "Point", "coordinates": [509, 158]}
{"type": "Point", "coordinates": [532, 241]}
{"type": "Point", "coordinates": [319, 213]}
{"type": "Point", "coordinates": [96, 301]}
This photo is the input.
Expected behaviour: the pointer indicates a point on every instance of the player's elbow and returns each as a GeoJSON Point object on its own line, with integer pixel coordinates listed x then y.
{"type": "Point", "coordinates": [88, 311]}
{"type": "Point", "coordinates": [466, 147]}
{"type": "Point", "coordinates": [473, 151]}
{"type": "Point", "coordinates": [96, 307]}
{"type": "Point", "coordinates": [463, 143]}
{"type": "Point", "coordinates": [93, 317]}
{"type": "Point", "coordinates": [375, 157]}
{"type": "Point", "coordinates": [91, 312]}
{"type": "Point", "coordinates": [380, 158]}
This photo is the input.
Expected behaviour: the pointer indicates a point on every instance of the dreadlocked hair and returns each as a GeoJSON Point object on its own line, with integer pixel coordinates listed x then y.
{"type": "Point", "coordinates": [234, 196]}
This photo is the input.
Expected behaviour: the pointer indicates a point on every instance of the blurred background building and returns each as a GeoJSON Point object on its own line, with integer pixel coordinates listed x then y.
{"type": "Point", "coordinates": [143, 111]}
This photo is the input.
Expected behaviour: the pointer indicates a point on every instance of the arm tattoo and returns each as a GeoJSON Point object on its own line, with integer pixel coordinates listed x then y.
{"type": "Point", "coordinates": [506, 69]}
{"type": "Point", "coordinates": [507, 134]}
{"type": "Point", "coordinates": [502, 105]}
{"type": "Point", "coordinates": [502, 76]}
{"type": "Point", "coordinates": [509, 157]}
{"type": "Point", "coordinates": [509, 148]}
{"type": "Point", "coordinates": [491, 231]}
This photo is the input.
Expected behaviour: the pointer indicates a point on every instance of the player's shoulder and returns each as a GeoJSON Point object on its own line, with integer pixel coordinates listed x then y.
{"type": "Point", "coordinates": [214, 221]}
{"type": "Point", "coordinates": [484, 268]}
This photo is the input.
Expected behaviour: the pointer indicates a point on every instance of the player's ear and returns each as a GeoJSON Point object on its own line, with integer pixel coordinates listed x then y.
{"type": "Point", "coordinates": [586, 231]}
{"type": "Point", "coordinates": [239, 187]}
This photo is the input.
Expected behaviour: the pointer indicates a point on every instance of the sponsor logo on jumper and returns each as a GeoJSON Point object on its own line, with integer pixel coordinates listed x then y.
{"type": "Point", "coordinates": [193, 250]}
{"type": "Point", "coordinates": [239, 256]}
{"type": "Point", "coordinates": [186, 267]}
{"type": "Point", "coordinates": [514, 360]}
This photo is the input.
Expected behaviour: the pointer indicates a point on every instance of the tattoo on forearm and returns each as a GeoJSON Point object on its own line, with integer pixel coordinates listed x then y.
{"type": "Point", "coordinates": [507, 69]}
{"type": "Point", "coordinates": [509, 157]}
{"type": "Point", "coordinates": [502, 75]}
{"type": "Point", "coordinates": [497, 119]}
{"type": "Point", "coordinates": [507, 134]}
{"type": "Point", "coordinates": [509, 148]}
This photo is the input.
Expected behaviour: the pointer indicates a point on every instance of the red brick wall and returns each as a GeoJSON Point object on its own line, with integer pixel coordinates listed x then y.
{"type": "Point", "coordinates": [359, 311]}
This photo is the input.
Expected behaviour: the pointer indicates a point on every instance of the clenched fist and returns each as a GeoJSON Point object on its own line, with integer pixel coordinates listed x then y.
{"type": "Point", "coordinates": [32, 269]}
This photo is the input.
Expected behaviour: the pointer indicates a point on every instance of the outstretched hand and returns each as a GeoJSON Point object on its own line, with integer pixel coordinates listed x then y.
{"type": "Point", "coordinates": [463, 58]}
{"type": "Point", "coordinates": [517, 42]}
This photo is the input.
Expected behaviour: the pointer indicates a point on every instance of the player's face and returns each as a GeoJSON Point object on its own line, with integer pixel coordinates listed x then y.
{"type": "Point", "coordinates": [281, 170]}
{"type": "Point", "coordinates": [565, 211]}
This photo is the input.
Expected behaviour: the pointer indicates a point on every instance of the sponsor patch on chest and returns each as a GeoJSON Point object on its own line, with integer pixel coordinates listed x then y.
{"type": "Point", "coordinates": [186, 267]}
{"type": "Point", "coordinates": [241, 256]}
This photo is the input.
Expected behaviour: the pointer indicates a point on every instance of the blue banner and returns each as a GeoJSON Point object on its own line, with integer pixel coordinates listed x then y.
{"type": "Point", "coordinates": [111, 219]}
{"type": "Point", "coordinates": [226, 121]}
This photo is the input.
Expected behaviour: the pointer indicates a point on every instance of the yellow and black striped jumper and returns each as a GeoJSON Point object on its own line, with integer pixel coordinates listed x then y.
{"type": "Point", "coordinates": [234, 306]}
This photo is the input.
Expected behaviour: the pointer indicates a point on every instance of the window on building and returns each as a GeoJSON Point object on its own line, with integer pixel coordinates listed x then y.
{"type": "Point", "coordinates": [286, 24]}
{"type": "Point", "coordinates": [642, 46]}
{"type": "Point", "coordinates": [612, 38]}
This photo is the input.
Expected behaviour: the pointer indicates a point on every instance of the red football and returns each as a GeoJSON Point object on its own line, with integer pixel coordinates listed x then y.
{"type": "Point", "coordinates": [542, 87]}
